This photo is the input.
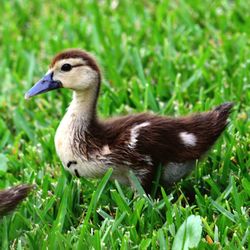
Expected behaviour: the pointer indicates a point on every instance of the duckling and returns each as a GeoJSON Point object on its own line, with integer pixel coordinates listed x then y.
{"type": "Point", "coordinates": [10, 198]}
{"type": "Point", "coordinates": [88, 146]}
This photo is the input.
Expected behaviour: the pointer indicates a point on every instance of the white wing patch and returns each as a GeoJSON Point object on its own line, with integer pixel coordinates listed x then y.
{"type": "Point", "coordinates": [105, 150]}
{"type": "Point", "coordinates": [135, 132]}
{"type": "Point", "coordinates": [188, 139]}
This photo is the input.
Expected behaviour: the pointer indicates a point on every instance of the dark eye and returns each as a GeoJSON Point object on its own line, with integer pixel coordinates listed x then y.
{"type": "Point", "coordinates": [66, 67]}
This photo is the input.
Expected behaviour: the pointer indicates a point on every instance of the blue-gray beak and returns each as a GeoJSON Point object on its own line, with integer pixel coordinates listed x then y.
{"type": "Point", "coordinates": [44, 85]}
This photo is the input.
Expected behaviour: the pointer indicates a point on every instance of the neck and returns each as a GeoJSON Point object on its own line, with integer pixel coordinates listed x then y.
{"type": "Point", "coordinates": [83, 106]}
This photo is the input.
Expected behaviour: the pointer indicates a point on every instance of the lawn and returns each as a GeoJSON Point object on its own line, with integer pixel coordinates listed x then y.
{"type": "Point", "coordinates": [167, 57]}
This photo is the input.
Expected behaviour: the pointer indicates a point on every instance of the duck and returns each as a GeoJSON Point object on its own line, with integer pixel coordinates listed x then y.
{"type": "Point", "coordinates": [12, 197]}
{"type": "Point", "coordinates": [88, 146]}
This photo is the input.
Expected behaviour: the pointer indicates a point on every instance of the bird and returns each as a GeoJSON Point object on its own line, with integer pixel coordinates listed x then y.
{"type": "Point", "coordinates": [88, 146]}
{"type": "Point", "coordinates": [10, 198]}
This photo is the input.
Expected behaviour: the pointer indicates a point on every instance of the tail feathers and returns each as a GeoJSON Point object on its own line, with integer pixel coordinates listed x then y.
{"type": "Point", "coordinates": [10, 198]}
{"type": "Point", "coordinates": [209, 126]}
{"type": "Point", "coordinates": [223, 112]}
{"type": "Point", "coordinates": [224, 108]}
{"type": "Point", "coordinates": [199, 132]}
{"type": "Point", "coordinates": [219, 119]}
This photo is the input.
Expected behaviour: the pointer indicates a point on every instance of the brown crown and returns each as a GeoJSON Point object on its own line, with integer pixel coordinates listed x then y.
{"type": "Point", "coordinates": [76, 53]}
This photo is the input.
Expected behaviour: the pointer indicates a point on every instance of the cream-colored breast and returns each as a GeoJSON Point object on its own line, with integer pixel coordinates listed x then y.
{"type": "Point", "coordinates": [63, 140]}
{"type": "Point", "coordinates": [75, 164]}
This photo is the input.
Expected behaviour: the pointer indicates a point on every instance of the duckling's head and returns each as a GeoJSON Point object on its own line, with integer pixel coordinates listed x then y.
{"type": "Point", "coordinates": [73, 69]}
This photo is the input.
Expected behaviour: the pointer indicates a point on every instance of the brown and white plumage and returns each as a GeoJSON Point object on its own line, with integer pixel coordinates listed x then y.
{"type": "Point", "coordinates": [88, 147]}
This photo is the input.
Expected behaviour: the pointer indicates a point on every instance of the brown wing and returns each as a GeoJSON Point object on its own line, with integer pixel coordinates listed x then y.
{"type": "Point", "coordinates": [162, 139]}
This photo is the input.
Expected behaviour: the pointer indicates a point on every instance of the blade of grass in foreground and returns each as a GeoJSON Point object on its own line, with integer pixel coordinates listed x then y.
{"type": "Point", "coordinates": [189, 233]}
{"type": "Point", "coordinates": [137, 184]}
{"type": "Point", "coordinates": [92, 206]}
{"type": "Point", "coordinates": [59, 222]}
{"type": "Point", "coordinates": [221, 209]}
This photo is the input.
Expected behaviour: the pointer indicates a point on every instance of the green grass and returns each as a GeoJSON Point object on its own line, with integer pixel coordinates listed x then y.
{"type": "Point", "coordinates": [169, 57]}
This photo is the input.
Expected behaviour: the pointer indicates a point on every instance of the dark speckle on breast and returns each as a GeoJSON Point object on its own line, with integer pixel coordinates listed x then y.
{"type": "Point", "coordinates": [75, 170]}
{"type": "Point", "coordinates": [70, 163]}
{"type": "Point", "coordinates": [77, 174]}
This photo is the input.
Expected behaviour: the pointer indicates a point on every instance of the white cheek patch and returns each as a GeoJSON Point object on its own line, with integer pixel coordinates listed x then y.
{"type": "Point", "coordinates": [188, 139]}
{"type": "Point", "coordinates": [134, 134]}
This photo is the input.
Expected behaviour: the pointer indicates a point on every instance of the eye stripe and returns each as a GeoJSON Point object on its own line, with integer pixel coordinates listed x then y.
{"type": "Point", "coordinates": [67, 67]}
{"type": "Point", "coordinates": [77, 65]}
